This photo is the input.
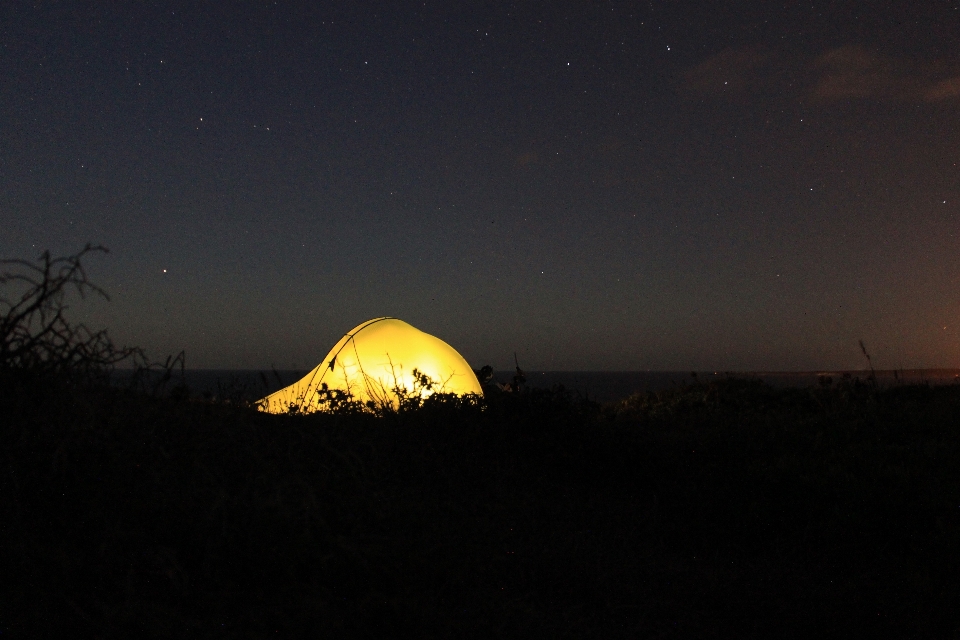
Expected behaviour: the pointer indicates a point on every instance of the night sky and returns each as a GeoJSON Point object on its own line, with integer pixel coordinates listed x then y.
{"type": "Point", "coordinates": [594, 185]}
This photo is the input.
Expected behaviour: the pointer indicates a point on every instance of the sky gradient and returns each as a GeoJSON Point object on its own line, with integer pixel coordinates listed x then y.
{"type": "Point", "coordinates": [595, 186]}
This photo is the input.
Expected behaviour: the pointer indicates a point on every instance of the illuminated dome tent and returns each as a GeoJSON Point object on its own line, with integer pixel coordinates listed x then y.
{"type": "Point", "coordinates": [373, 359]}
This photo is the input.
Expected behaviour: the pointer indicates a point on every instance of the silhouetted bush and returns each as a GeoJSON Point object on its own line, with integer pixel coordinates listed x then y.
{"type": "Point", "coordinates": [39, 342]}
{"type": "Point", "coordinates": [35, 334]}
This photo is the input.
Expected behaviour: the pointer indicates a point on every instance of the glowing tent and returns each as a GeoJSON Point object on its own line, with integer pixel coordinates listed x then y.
{"type": "Point", "coordinates": [372, 360]}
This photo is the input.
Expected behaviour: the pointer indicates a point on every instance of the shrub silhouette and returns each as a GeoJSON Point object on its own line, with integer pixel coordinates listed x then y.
{"type": "Point", "coordinates": [38, 340]}
{"type": "Point", "coordinates": [35, 333]}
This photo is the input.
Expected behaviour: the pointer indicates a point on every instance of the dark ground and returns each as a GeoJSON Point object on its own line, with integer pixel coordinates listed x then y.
{"type": "Point", "coordinates": [723, 509]}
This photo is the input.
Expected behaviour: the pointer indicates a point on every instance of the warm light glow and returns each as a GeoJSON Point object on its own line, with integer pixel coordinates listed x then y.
{"type": "Point", "coordinates": [373, 359]}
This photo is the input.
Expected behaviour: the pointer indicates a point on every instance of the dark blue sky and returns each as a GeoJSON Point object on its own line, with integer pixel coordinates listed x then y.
{"type": "Point", "coordinates": [603, 185]}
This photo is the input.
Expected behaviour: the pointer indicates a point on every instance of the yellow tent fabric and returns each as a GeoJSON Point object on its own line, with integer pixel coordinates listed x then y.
{"type": "Point", "coordinates": [374, 358]}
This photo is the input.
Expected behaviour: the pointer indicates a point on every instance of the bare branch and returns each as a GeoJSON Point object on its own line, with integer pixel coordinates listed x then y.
{"type": "Point", "coordinates": [34, 331]}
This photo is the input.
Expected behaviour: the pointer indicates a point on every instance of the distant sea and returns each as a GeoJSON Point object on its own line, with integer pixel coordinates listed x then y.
{"type": "Point", "coordinates": [602, 386]}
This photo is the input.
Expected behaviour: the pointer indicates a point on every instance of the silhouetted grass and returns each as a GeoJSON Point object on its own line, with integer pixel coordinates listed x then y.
{"type": "Point", "coordinates": [713, 510]}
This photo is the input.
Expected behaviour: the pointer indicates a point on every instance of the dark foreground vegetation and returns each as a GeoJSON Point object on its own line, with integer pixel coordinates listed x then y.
{"type": "Point", "coordinates": [728, 509]}
{"type": "Point", "coordinates": [709, 511]}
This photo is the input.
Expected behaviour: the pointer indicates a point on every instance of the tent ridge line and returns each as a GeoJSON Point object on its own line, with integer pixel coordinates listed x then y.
{"type": "Point", "coordinates": [351, 336]}
{"type": "Point", "coordinates": [326, 365]}
{"type": "Point", "coordinates": [367, 324]}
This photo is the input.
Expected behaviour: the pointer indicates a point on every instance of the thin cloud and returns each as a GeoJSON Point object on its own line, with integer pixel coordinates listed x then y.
{"type": "Point", "coordinates": [943, 90]}
{"type": "Point", "coordinates": [841, 74]}
{"type": "Point", "coordinates": [853, 72]}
